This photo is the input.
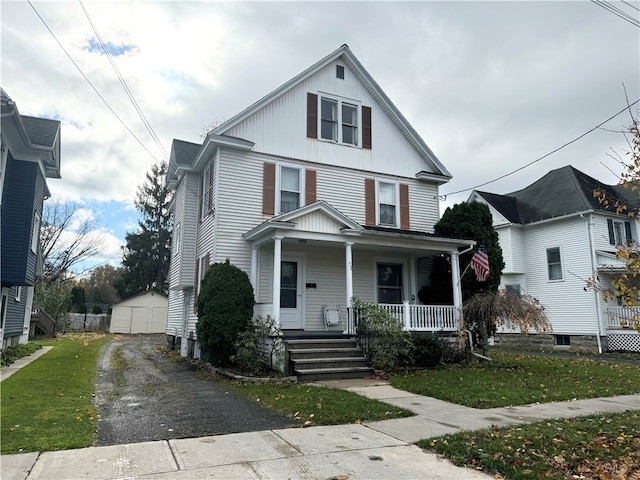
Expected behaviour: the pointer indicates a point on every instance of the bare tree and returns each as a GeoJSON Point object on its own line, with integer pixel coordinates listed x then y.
{"type": "Point", "coordinates": [67, 237]}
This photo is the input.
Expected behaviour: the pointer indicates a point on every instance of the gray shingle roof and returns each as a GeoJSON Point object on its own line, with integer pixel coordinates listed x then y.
{"type": "Point", "coordinates": [41, 131]}
{"type": "Point", "coordinates": [560, 192]}
{"type": "Point", "coordinates": [185, 152]}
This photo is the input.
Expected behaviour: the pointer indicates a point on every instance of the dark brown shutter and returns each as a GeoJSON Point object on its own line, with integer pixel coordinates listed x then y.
{"type": "Point", "coordinates": [207, 261]}
{"type": "Point", "coordinates": [196, 284]}
{"type": "Point", "coordinates": [269, 189]}
{"type": "Point", "coordinates": [366, 127]}
{"type": "Point", "coordinates": [309, 186]}
{"type": "Point", "coordinates": [627, 232]}
{"type": "Point", "coordinates": [312, 115]}
{"type": "Point", "coordinates": [370, 201]}
{"type": "Point", "coordinates": [404, 206]}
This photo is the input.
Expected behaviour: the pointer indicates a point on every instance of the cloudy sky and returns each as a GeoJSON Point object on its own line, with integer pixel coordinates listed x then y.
{"type": "Point", "coordinates": [490, 86]}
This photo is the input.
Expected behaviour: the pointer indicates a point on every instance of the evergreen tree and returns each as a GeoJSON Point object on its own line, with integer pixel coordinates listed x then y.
{"type": "Point", "coordinates": [472, 221]}
{"type": "Point", "coordinates": [148, 250]}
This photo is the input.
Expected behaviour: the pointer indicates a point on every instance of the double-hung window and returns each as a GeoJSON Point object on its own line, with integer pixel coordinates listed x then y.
{"type": "Point", "coordinates": [290, 188]}
{"type": "Point", "coordinates": [387, 203]}
{"type": "Point", "coordinates": [338, 121]}
{"type": "Point", "coordinates": [206, 192]}
{"type": "Point", "coordinates": [554, 263]}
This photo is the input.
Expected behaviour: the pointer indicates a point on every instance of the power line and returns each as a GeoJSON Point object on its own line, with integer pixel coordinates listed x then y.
{"type": "Point", "coordinates": [89, 81]}
{"type": "Point", "coordinates": [618, 12]}
{"type": "Point", "coordinates": [631, 5]}
{"type": "Point", "coordinates": [135, 104]}
{"type": "Point", "coordinates": [546, 155]}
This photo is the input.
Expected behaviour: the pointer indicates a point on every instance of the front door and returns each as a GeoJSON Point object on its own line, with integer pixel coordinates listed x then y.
{"type": "Point", "coordinates": [291, 293]}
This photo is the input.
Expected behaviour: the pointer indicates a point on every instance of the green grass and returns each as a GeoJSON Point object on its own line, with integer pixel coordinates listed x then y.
{"type": "Point", "coordinates": [598, 446]}
{"type": "Point", "coordinates": [521, 379]}
{"type": "Point", "coordinates": [318, 405]}
{"type": "Point", "coordinates": [48, 404]}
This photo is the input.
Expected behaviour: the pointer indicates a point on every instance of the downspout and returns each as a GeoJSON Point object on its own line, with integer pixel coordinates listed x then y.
{"type": "Point", "coordinates": [592, 254]}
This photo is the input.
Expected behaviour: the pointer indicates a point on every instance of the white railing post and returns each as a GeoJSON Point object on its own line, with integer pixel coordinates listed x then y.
{"type": "Point", "coordinates": [275, 296]}
{"type": "Point", "coordinates": [349, 280]}
{"type": "Point", "coordinates": [406, 313]}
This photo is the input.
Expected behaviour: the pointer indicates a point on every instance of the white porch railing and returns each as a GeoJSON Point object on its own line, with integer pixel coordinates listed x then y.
{"type": "Point", "coordinates": [421, 318]}
{"type": "Point", "coordinates": [619, 317]}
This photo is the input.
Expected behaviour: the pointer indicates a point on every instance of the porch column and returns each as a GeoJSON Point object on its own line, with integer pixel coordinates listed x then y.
{"type": "Point", "coordinates": [254, 270]}
{"type": "Point", "coordinates": [277, 259]}
{"type": "Point", "coordinates": [349, 279]}
{"type": "Point", "coordinates": [455, 280]}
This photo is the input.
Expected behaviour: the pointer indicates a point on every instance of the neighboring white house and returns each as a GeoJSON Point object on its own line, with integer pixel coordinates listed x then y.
{"type": "Point", "coordinates": [555, 235]}
{"type": "Point", "coordinates": [320, 191]}
{"type": "Point", "coordinates": [142, 313]}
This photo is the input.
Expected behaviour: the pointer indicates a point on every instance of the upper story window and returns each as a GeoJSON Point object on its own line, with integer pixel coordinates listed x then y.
{"type": "Point", "coordinates": [286, 187]}
{"type": "Point", "coordinates": [619, 232]}
{"type": "Point", "coordinates": [340, 120]}
{"type": "Point", "coordinates": [554, 263]}
{"type": "Point", "coordinates": [290, 188]}
{"type": "Point", "coordinates": [387, 203]}
{"type": "Point", "coordinates": [337, 113]}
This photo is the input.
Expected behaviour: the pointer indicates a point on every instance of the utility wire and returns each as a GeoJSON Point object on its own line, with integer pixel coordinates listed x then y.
{"type": "Point", "coordinates": [89, 81]}
{"type": "Point", "coordinates": [546, 155]}
{"type": "Point", "coordinates": [631, 5]}
{"type": "Point", "coordinates": [616, 11]}
{"type": "Point", "coordinates": [124, 84]}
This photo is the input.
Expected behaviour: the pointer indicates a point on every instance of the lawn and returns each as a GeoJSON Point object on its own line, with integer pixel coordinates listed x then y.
{"type": "Point", "coordinates": [513, 379]}
{"type": "Point", "coordinates": [48, 404]}
{"type": "Point", "coordinates": [593, 447]}
{"type": "Point", "coordinates": [317, 405]}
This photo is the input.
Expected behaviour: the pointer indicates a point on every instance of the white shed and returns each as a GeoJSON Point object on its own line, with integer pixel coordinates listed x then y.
{"type": "Point", "coordinates": [143, 313]}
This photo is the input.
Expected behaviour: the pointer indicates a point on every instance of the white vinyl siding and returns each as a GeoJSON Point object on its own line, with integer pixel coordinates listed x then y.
{"type": "Point", "coordinates": [289, 140]}
{"type": "Point", "coordinates": [570, 308]}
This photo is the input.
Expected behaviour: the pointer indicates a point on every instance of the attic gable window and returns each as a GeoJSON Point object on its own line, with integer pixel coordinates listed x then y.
{"type": "Point", "coordinates": [340, 72]}
{"type": "Point", "coordinates": [338, 120]}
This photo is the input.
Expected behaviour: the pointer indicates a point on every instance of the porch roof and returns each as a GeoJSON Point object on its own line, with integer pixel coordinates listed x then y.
{"type": "Point", "coordinates": [321, 222]}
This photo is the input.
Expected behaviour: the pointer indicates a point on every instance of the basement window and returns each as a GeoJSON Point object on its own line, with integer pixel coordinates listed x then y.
{"type": "Point", "coordinates": [563, 340]}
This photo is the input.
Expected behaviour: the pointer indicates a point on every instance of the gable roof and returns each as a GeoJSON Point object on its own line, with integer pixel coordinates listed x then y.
{"type": "Point", "coordinates": [560, 192]}
{"type": "Point", "coordinates": [345, 54]}
{"type": "Point", "coordinates": [41, 131]}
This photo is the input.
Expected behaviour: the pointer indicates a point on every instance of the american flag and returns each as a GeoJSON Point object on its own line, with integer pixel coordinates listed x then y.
{"type": "Point", "coordinates": [480, 263]}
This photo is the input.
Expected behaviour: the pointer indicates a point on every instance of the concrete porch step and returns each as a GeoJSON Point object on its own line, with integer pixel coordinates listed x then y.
{"type": "Point", "coordinates": [300, 354]}
{"type": "Point", "coordinates": [313, 374]}
{"type": "Point", "coordinates": [336, 362]}
{"type": "Point", "coordinates": [303, 344]}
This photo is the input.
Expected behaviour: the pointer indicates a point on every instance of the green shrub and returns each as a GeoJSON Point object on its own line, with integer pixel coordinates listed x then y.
{"type": "Point", "coordinates": [247, 357]}
{"type": "Point", "coordinates": [427, 349]}
{"type": "Point", "coordinates": [96, 310]}
{"type": "Point", "coordinates": [11, 354]}
{"type": "Point", "coordinates": [382, 338]}
{"type": "Point", "coordinates": [225, 308]}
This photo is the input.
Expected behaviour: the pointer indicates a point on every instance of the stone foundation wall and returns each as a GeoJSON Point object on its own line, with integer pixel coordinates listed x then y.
{"type": "Point", "coordinates": [579, 343]}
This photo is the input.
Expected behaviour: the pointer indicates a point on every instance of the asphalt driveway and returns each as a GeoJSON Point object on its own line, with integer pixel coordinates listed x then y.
{"type": "Point", "coordinates": [142, 395]}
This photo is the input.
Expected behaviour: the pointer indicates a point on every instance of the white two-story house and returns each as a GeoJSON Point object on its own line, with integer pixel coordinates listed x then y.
{"type": "Point", "coordinates": [321, 191]}
{"type": "Point", "coordinates": [555, 236]}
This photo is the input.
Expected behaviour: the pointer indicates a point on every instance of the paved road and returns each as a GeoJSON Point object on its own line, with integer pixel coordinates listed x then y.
{"type": "Point", "coordinates": [143, 395]}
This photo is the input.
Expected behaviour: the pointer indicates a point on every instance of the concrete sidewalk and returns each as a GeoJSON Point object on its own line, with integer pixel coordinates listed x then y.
{"type": "Point", "coordinates": [375, 450]}
{"type": "Point", "coordinates": [6, 372]}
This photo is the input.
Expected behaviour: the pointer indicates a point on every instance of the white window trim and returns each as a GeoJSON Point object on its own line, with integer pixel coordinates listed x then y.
{"type": "Point", "coordinates": [623, 233]}
{"type": "Point", "coordinates": [546, 262]}
{"type": "Point", "coordinates": [301, 169]}
{"type": "Point", "coordinates": [18, 294]}
{"type": "Point", "coordinates": [37, 219]}
{"type": "Point", "coordinates": [4, 308]}
{"type": "Point", "coordinates": [394, 261]}
{"type": "Point", "coordinates": [177, 238]}
{"type": "Point", "coordinates": [204, 199]}
{"type": "Point", "coordinates": [340, 100]}
{"type": "Point", "coordinates": [397, 202]}
{"type": "Point", "coordinates": [202, 271]}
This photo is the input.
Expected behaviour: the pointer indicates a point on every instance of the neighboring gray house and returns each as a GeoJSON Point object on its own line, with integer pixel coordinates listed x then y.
{"type": "Point", "coordinates": [30, 153]}
{"type": "Point", "coordinates": [320, 191]}
{"type": "Point", "coordinates": [554, 236]}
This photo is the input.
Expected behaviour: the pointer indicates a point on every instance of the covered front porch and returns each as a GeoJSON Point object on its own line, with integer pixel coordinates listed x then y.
{"type": "Point", "coordinates": [315, 256]}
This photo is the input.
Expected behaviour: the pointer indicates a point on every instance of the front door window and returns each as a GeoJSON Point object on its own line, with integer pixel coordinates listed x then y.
{"type": "Point", "coordinates": [389, 283]}
{"type": "Point", "coordinates": [288, 284]}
